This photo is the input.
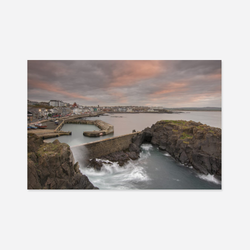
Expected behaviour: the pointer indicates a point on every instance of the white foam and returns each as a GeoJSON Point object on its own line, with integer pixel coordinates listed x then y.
{"type": "Point", "coordinates": [91, 172]}
{"type": "Point", "coordinates": [144, 156]}
{"type": "Point", "coordinates": [209, 177]}
{"type": "Point", "coordinates": [111, 168]}
{"type": "Point", "coordinates": [146, 146]}
{"type": "Point", "coordinates": [104, 161]}
{"type": "Point", "coordinates": [137, 174]}
{"type": "Point", "coordinates": [167, 154]}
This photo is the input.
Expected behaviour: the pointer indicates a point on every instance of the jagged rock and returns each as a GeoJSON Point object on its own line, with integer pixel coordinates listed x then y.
{"type": "Point", "coordinates": [163, 148]}
{"type": "Point", "coordinates": [93, 163]}
{"type": "Point", "coordinates": [121, 157]}
{"type": "Point", "coordinates": [50, 166]}
{"type": "Point", "coordinates": [189, 142]}
{"type": "Point", "coordinates": [34, 142]}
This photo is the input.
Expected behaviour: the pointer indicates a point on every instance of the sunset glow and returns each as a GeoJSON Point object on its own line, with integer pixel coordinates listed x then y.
{"type": "Point", "coordinates": [141, 83]}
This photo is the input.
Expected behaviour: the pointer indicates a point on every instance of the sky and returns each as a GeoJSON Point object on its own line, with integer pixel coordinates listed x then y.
{"type": "Point", "coordinates": [164, 83]}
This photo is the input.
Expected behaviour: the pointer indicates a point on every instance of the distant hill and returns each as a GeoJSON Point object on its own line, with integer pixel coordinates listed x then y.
{"type": "Point", "coordinates": [197, 109]}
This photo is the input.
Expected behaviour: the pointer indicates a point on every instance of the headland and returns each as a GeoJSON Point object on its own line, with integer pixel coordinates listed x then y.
{"type": "Point", "coordinates": [191, 143]}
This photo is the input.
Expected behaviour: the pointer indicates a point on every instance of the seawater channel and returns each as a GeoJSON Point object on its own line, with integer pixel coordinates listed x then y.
{"type": "Point", "coordinates": [154, 169]}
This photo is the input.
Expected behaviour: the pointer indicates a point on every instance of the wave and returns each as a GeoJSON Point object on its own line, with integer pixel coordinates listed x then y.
{"type": "Point", "coordinates": [145, 153]}
{"type": "Point", "coordinates": [147, 146]}
{"type": "Point", "coordinates": [167, 154]}
{"type": "Point", "coordinates": [135, 172]}
{"type": "Point", "coordinates": [113, 176]}
{"type": "Point", "coordinates": [209, 178]}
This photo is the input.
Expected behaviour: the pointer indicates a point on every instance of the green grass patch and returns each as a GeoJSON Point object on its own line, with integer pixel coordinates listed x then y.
{"type": "Point", "coordinates": [204, 126]}
{"type": "Point", "coordinates": [186, 136]}
{"type": "Point", "coordinates": [175, 122]}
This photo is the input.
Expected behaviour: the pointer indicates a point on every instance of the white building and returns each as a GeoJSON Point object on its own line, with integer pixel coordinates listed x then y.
{"type": "Point", "coordinates": [77, 111]}
{"type": "Point", "coordinates": [151, 110]}
{"type": "Point", "coordinates": [56, 103]}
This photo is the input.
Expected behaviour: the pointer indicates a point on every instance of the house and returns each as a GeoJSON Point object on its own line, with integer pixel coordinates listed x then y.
{"type": "Point", "coordinates": [74, 105]}
{"type": "Point", "coordinates": [56, 103]}
{"type": "Point", "coordinates": [77, 111]}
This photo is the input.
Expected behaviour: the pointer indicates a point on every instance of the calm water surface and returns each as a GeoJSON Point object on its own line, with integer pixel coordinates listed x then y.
{"type": "Point", "coordinates": [126, 123]}
{"type": "Point", "coordinates": [155, 169]}
{"type": "Point", "coordinates": [77, 137]}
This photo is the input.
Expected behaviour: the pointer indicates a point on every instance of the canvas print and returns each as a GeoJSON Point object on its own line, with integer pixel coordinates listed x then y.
{"type": "Point", "coordinates": [124, 124]}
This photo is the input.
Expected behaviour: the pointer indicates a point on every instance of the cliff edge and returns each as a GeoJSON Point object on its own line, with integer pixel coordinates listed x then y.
{"type": "Point", "coordinates": [191, 143]}
{"type": "Point", "coordinates": [50, 166]}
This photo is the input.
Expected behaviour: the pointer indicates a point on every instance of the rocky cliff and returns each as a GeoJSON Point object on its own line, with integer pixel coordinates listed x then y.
{"type": "Point", "coordinates": [50, 166]}
{"type": "Point", "coordinates": [191, 143]}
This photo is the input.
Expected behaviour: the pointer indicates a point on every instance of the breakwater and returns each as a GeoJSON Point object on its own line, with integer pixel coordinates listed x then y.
{"type": "Point", "coordinates": [104, 127]}
{"type": "Point", "coordinates": [59, 127]}
{"type": "Point", "coordinates": [104, 147]}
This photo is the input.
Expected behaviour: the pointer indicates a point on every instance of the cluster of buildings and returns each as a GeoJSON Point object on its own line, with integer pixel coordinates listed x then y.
{"type": "Point", "coordinates": [57, 108]}
{"type": "Point", "coordinates": [134, 109]}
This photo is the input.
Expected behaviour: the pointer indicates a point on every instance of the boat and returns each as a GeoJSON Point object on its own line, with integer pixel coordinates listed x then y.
{"type": "Point", "coordinates": [32, 127]}
{"type": "Point", "coordinates": [39, 125]}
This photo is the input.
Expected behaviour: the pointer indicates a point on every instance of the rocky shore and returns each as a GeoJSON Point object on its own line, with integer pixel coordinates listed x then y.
{"type": "Point", "coordinates": [191, 143]}
{"type": "Point", "coordinates": [50, 166]}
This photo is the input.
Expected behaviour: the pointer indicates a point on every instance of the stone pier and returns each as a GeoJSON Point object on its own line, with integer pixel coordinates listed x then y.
{"type": "Point", "coordinates": [104, 127]}
{"type": "Point", "coordinates": [104, 147]}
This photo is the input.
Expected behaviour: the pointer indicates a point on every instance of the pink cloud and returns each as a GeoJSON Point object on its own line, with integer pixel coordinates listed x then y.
{"type": "Point", "coordinates": [173, 87]}
{"type": "Point", "coordinates": [49, 87]}
{"type": "Point", "coordinates": [120, 97]}
{"type": "Point", "coordinates": [130, 72]}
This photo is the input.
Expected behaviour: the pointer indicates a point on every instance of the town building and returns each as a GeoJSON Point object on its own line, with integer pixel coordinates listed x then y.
{"type": "Point", "coordinates": [56, 103]}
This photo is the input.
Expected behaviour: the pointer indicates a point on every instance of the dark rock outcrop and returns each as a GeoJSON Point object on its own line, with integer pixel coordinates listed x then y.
{"type": "Point", "coordinates": [50, 166]}
{"type": "Point", "coordinates": [93, 163]}
{"type": "Point", "coordinates": [121, 157]}
{"type": "Point", "coordinates": [191, 143]}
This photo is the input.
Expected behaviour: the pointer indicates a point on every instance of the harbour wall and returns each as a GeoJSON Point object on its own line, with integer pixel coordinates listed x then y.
{"type": "Point", "coordinates": [104, 127]}
{"type": "Point", "coordinates": [104, 147]}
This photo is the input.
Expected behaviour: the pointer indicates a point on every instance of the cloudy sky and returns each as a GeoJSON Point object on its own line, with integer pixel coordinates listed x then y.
{"type": "Point", "coordinates": [141, 83]}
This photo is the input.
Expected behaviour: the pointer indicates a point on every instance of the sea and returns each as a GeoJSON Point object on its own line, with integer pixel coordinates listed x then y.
{"type": "Point", "coordinates": [155, 169]}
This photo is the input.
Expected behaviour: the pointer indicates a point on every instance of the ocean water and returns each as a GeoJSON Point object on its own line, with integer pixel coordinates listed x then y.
{"type": "Point", "coordinates": [125, 123]}
{"type": "Point", "coordinates": [154, 169]}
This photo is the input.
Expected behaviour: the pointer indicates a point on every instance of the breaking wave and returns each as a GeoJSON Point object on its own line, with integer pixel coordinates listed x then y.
{"type": "Point", "coordinates": [146, 146]}
{"type": "Point", "coordinates": [209, 178]}
{"type": "Point", "coordinates": [113, 176]}
{"type": "Point", "coordinates": [146, 172]}
{"type": "Point", "coordinates": [167, 154]}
